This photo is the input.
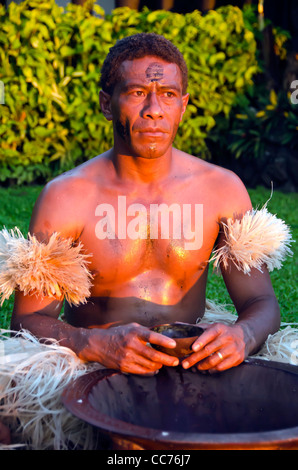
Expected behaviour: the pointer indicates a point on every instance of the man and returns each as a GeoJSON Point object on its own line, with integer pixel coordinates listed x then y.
{"type": "Point", "coordinates": [142, 277]}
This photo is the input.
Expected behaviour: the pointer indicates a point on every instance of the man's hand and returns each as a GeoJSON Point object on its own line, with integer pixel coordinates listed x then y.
{"type": "Point", "coordinates": [220, 347]}
{"type": "Point", "coordinates": [127, 348]}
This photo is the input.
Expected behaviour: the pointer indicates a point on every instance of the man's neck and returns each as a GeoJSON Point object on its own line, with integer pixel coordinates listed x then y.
{"type": "Point", "coordinates": [142, 170]}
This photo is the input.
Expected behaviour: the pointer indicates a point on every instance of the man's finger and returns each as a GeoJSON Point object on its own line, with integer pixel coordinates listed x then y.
{"type": "Point", "coordinates": [162, 358]}
{"type": "Point", "coordinates": [207, 337]}
{"type": "Point", "coordinates": [161, 340]}
{"type": "Point", "coordinates": [145, 350]}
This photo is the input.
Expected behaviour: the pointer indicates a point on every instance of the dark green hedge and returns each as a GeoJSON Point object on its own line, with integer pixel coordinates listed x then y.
{"type": "Point", "coordinates": [50, 61]}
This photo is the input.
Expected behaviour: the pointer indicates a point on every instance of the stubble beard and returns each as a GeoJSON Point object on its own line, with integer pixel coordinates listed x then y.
{"type": "Point", "coordinates": [151, 151]}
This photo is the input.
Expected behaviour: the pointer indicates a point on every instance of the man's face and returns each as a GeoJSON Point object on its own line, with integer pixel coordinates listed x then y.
{"type": "Point", "coordinates": [147, 106]}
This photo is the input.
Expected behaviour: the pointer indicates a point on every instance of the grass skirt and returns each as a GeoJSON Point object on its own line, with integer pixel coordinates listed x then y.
{"type": "Point", "coordinates": [33, 376]}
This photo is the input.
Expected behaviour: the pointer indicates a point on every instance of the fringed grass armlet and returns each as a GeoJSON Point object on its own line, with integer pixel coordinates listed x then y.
{"type": "Point", "coordinates": [258, 238]}
{"type": "Point", "coordinates": [56, 269]}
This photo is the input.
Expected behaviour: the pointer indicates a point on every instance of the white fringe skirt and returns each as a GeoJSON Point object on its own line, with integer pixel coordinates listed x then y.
{"type": "Point", "coordinates": [33, 376]}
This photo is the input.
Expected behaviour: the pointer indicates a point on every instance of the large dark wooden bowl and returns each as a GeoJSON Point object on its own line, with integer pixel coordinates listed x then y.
{"type": "Point", "coordinates": [251, 406]}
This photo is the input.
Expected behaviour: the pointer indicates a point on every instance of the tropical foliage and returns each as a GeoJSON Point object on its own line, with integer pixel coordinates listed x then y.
{"type": "Point", "coordinates": [50, 62]}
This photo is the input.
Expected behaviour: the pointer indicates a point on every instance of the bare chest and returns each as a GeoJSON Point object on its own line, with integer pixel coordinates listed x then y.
{"type": "Point", "coordinates": [129, 236]}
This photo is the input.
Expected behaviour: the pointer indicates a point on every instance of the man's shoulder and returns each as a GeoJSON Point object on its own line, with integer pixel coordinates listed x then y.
{"type": "Point", "coordinates": [220, 175]}
{"type": "Point", "coordinates": [214, 173]}
{"type": "Point", "coordinates": [80, 181]}
{"type": "Point", "coordinates": [223, 186]}
{"type": "Point", "coordinates": [61, 206]}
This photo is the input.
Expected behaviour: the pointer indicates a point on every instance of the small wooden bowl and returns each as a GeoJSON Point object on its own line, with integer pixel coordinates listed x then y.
{"type": "Point", "coordinates": [184, 334]}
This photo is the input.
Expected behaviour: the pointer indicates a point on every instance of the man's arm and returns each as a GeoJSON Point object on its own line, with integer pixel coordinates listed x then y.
{"type": "Point", "coordinates": [59, 209]}
{"type": "Point", "coordinates": [222, 346]}
{"type": "Point", "coordinates": [258, 316]}
{"type": "Point", "coordinates": [125, 347]}
{"type": "Point", "coordinates": [53, 212]}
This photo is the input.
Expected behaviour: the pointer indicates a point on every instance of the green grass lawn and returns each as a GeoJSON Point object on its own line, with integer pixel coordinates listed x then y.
{"type": "Point", "coordinates": [16, 205]}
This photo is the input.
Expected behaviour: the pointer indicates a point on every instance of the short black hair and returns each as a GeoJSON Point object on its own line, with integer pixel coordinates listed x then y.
{"type": "Point", "coordinates": [138, 46]}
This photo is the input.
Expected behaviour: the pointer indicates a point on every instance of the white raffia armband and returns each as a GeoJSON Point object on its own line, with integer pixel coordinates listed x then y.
{"type": "Point", "coordinates": [258, 238]}
{"type": "Point", "coordinates": [55, 269]}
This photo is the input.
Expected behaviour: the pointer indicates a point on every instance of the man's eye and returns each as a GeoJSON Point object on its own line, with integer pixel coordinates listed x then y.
{"type": "Point", "coordinates": [138, 93]}
{"type": "Point", "coordinates": [169, 94]}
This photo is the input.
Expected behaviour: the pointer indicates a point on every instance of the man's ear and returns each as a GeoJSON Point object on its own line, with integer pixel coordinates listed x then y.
{"type": "Point", "coordinates": [105, 104]}
{"type": "Point", "coordinates": [185, 99]}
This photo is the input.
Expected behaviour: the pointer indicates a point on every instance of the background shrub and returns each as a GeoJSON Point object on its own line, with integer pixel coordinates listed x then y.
{"type": "Point", "coordinates": [50, 61]}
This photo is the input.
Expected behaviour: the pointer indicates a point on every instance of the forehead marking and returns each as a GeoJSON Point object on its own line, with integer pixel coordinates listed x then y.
{"type": "Point", "coordinates": [154, 72]}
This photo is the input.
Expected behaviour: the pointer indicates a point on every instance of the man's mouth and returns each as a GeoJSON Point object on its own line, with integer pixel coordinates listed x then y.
{"type": "Point", "coordinates": [152, 131]}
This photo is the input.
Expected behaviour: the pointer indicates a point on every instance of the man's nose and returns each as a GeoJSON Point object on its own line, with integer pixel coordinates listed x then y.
{"type": "Point", "coordinates": [153, 108]}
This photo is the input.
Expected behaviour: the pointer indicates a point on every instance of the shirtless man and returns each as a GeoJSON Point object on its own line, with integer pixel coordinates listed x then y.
{"type": "Point", "coordinates": [141, 281]}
